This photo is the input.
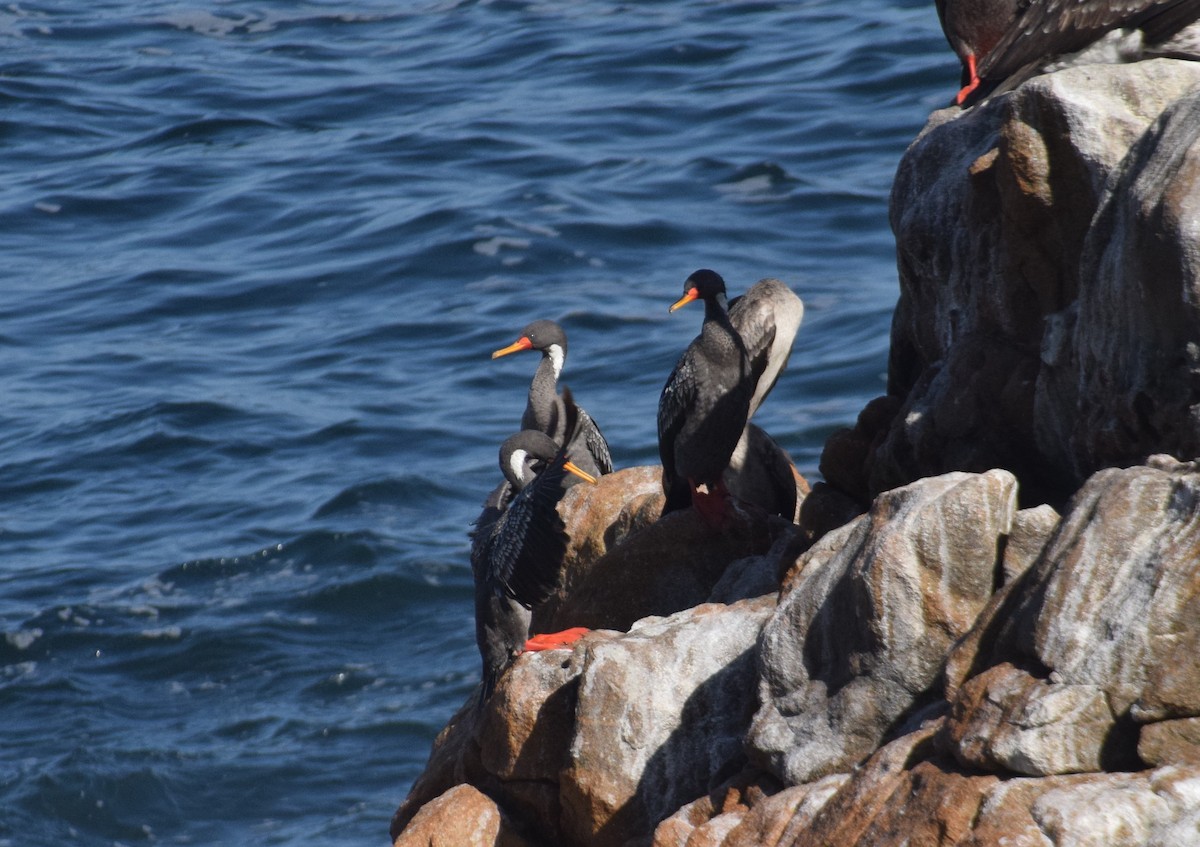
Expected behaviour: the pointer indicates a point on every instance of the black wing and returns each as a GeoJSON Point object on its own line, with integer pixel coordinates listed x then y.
{"type": "Point", "coordinates": [678, 395]}
{"type": "Point", "coordinates": [595, 443]}
{"type": "Point", "coordinates": [528, 543]}
{"type": "Point", "coordinates": [582, 433]}
{"type": "Point", "coordinates": [501, 625]}
{"type": "Point", "coordinates": [1056, 27]}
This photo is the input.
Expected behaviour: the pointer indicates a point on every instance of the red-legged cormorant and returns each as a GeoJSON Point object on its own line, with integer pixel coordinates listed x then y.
{"type": "Point", "coordinates": [704, 405]}
{"type": "Point", "coordinates": [517, 548]}
{"type": "Point", "coordinates": [544, 409]}
{"type": "Point", "coordinates": [996, 38]}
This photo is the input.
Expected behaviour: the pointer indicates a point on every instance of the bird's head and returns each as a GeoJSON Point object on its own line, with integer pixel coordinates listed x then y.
{"type": "Point", "coordinates": [702, 285]}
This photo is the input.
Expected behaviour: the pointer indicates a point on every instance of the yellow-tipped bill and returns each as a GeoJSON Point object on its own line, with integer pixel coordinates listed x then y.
{"type": "Point", "coordinates": [579, 472]}
{"type": "Point", "coordinates": [692, 294]}
{"type": "Point", "coordinates": [522, 343]}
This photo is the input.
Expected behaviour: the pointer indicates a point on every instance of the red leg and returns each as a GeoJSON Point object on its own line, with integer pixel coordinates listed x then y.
{"type": "Point", "coordinates": [970, 86]}
{"type": "Point", "coordinates": [555, 640]}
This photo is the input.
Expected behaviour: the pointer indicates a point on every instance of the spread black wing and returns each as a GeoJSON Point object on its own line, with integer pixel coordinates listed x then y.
{"type": "Point", "coordinates": [527, 544]}
{"type": "Point", "coordinates": [501, 624]}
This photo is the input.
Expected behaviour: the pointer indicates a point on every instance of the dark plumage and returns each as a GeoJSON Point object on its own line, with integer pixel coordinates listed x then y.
{"type": "Point", "coordinates": [518, 544]}
{"type": "Point", "coordinates": [761, 472]}
{"type": "Point", "coordinates": [544, 409]}
{"type": "Point", "coordinates": [705, 403]}
{"type": "Point", "coordinates": [995, 39]}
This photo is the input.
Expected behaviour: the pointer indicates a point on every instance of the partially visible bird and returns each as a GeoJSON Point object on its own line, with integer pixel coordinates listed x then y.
{"type": "Point", "coordinates": [995, 39]}
{"type": "Point", "coordinates": [767, 317]}
{"type": "Point", "coordinates": [518, 544]}
{"type": "Point", "coordinates": [761, 472]}
{"type": "Point", "coordinates": [704, 405]}
{"type": "Point", "coordinates": [544, 409]}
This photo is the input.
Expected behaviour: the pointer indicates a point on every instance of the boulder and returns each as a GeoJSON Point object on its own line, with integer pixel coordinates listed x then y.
{"type": "Point", "coordinates": [671, 564]}
{"type": "Point", "coordinates": [860, 638]}
{"type": "Point", "coordinates": [462, 817]}
{"type": "Point", "coordinates": [659, 721]}
{"type": "Point", "coordinates": [1047, 245]}
{"type": "Point", "coordinates": [1104, 626]}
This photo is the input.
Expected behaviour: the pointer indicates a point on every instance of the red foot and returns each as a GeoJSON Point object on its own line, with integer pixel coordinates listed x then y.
{"type": "Point", "coordinates": [712, 505]}
{"type": "Point", "coordinates": [970, 86]}
{"type": "Point", "coordinates": [555, 640]}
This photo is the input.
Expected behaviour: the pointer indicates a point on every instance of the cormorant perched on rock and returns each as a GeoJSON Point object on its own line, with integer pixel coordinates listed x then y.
{"type": "Point", "coordinates": [995, 39]}
{"type": "Point", "coordinates": [704, 405]}
{"type": "Point", "coordinates": [544, 410]}
{"type": "Point", "coordinates": [517, 546]}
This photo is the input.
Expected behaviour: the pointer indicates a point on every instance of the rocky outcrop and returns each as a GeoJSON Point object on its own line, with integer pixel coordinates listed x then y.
{"type": "Point", "coordinates": [1048, 247]}
{"type": "Point", "coordinates": [947, 667]}
{"type": "Point", "coordinates": [857, 645]}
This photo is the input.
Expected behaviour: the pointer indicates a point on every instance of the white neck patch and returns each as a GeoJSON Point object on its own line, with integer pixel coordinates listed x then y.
{"type": "Point", "coordinates": [516, 464]}
{"type": "Point", "coordinates": [555, 352]}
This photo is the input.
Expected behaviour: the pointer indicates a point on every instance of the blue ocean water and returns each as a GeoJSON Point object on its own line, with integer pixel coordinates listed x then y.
{"type": "Point", "coordinates": [255, 259]}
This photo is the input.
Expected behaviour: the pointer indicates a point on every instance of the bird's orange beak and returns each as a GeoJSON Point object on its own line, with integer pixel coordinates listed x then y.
{"type": "Point", "coordinates": [579, 472]}
{"type": "Point", "coordinates": [522, 343]}
{"type": "Point", "coordinates": [692, 294]}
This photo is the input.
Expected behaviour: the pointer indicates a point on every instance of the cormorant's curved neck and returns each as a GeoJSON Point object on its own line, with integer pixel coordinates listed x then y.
{"type": "Point", "coordinates": [543, 393]}
{"type": "Point", "coordinates": [716, 307]}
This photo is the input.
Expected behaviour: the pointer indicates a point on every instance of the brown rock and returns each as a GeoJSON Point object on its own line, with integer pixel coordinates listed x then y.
{"type": "Point", "coordinates": [778, 820]}
{"type": "Point", "coordinates": [670, 565]}
{"type": "Point", "coordinates": [675, 830]}
{"type": "Point", "coordinates": [1006, 719]}
{"type": "Point", "coordinates": [844, 461]}
{"type": "Point", "coordinates": [880, 782]}
{"type": "Point", "coordinates": [526, 726]}
{"type": "Point", "coordinates": [598, 518]}
{"type": "Point", "coordinates": [659, 721]}
{"type": "Point", "coordinates": [1170, 742]}
{"type": "Point", "coordinates": [1031, 530]}
{"type": "Point", "coordinates": [462, 817]}
{"type": "Point", "coordinates": [823, 510]}
{"type": "Point", "coordinates": [455, 754]}
{"type": "Point", "coordinates": [861, 636]}
{"type": "Point", "coordinates": [1105, 810]}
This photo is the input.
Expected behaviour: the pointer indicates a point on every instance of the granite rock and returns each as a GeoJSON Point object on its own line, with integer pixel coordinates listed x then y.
{"type": "Point", "coordinates": [1047, 248]}
{"type": "Point", "coordinates": [860, 640]}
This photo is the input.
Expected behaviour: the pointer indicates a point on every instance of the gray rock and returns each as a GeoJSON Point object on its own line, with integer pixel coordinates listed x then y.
{"type": "Point", "coordinates": [1028, 336]}
{"type": "Point", "coordinates": [861, 634]}
{"type": "Point", "coordinates": [1120, 374]}
{"type": "Point", "coordinates": [1030, 531]}
{"type": "Point", "coordinates": [1108, 614]}
{"type": "Point", "coordinates": [1008, 720]}
{"type": "Point", "coordinates": [659, 721]}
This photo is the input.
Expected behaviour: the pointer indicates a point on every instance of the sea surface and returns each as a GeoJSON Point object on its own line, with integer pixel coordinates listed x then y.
{"type": "Point", "coordinates": [254, 258]}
